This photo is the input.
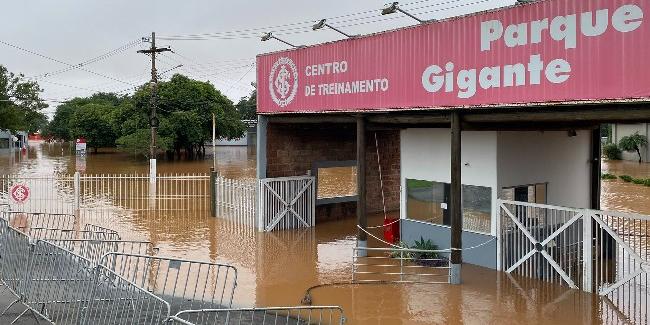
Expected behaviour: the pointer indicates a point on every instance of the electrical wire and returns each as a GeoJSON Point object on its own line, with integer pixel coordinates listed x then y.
{"type": "Point", "coordinates": [61, 62]}
{"type": "Point", "coordinates": [305, 27]}
{"type": "Point", "coordinates": [90, 61]}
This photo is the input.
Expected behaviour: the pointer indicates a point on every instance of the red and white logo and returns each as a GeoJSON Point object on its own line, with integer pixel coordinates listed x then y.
{"type": "Point", "coordinates": [283, 81]}
{"type": "Point", "coordinates": [19, 193]}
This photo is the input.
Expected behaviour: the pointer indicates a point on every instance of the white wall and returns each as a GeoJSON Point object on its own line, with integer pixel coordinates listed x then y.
{"type": "Point", "coordinates": [621, 130]}
{"type": "Point", "coordinates": [426, 155]}
{"type": "Point", "coordinates": [553, 157]}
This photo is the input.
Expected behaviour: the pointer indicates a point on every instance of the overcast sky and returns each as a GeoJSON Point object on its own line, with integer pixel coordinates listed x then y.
{"type": "Point", "coordinates": [74, 31]}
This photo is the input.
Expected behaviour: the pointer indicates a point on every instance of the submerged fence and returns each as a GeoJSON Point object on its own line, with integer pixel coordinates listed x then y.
{"type": "Point", "coordinates": [268, 204]}
{"type": "Point", "coordinates": [62, 193]}
{"type": "Point", "coordinates": [597, 251]}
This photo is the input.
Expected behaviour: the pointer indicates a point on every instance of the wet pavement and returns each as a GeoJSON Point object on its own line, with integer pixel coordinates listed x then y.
{"type": "Point", "coordinates": [277, 268]}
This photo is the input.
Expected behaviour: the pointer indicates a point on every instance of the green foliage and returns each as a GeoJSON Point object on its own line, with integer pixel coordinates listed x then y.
{"type": "Point", "coordinates": [138, 142]}
{"type": "Point", "coordinates": [416, 183]}
{"type": "Point", "coordinates": [184, 111]}
{"type": "Point", "coordinates": [612, 151]}
{"type": "Point", "coordinates": [188, 105]}
{"type": "Point", "coordinates": [608, 176]}
{"type": "Point", "coordinates": [634, 143]}
{"type": "Point", "coordinates": [20, 103]}
{"type": "Point", "coordinates": [638, 181]}
{"type": "Point", "coordinates": [646, 182]}
{"type": "Point", "coordinates": [424, 245]}
{"type": "Point", "coordinates": [247, 106]}
{"type": "Point", "coordinates": [626, 178]}
{"type": "Point", "coordinates": [92, 121]}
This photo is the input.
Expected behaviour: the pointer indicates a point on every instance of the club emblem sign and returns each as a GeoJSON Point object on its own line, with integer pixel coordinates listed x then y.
{"type": "Point", "coordinates": [283, 81]}
{"type": "Point", "coordinates": [19, 193]}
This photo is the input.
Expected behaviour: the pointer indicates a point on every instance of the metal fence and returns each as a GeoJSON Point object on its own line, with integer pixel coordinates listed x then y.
{"type": "Point", "coordinates": [316, 315]}
{"type": "Point", "coordinates": [287, 203]}
{"type": "Point", "coordinates": [597, 251]}
{"type": "Point", "coordinates": [268, 204]}
{"type": "Point", "coordinates": [61, 193]}
{"type": "Point", "coordinates": [400, 265]}
{"type": "Point", "coordinates": [184, 284]}
{"type": "Point", "coordinates": [236, 199]}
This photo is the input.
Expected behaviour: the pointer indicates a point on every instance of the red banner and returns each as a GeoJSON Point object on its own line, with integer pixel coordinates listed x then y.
{"type": "Point", "coordinates": [548, 51]}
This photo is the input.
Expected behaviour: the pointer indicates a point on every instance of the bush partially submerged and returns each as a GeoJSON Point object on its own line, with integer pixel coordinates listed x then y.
{"type": "Point", "coordinates": [626, 178]}
{"type": "Point", "coordinates": [608, 176]}
{"type": "Point", "coordinates": [612, 152]}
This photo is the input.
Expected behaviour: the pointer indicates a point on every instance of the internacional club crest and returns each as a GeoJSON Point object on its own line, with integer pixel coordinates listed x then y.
{"type": "Point", "coordinates": [19, 193]}
{"type": "Point", "coordinates": [283, 81]}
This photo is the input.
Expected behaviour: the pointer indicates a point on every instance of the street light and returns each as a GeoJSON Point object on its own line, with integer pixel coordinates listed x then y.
{"type": "Point", "coordinates": [270, 35]}
{"type": "Point", "coordinates": [394, 7]}
{"type": "Point", "coordinates": [323, 23]}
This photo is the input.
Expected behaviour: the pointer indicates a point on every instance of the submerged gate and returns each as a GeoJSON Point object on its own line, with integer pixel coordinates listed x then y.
{"type": "Point", "coordinates": [268, 204]}
{"type": "Point", "coordinates": [604, 252]}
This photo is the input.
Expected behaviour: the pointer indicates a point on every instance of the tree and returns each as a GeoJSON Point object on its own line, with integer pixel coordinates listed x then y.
{"type": "Point", "coordinates": [20, 103]}
{"type": "Point", "coordinates": [633, 143]}
{"type": "Point", "coordinates": [247, 106]}
{"type": "Point", "coordinates": [92, 122]}
{"type": "Point", "coordinates": [197, 101]}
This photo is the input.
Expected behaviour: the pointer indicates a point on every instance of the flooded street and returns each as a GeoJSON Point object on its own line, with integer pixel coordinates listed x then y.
{"type": "Point", "coordinates": [277, 268]}
{"type": "Point", "coordinates": [621, 196]}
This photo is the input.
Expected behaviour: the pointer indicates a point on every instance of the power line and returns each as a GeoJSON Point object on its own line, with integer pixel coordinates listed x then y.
{"type": "Point", "coordinates": [305, 27]}
{"type": "Point", "coordinates": [62, 62]}
{"type": "Point", "coordinates": [104, 56]}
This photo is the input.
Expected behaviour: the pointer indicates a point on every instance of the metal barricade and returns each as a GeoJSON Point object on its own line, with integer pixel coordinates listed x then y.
{"type": "Point", "coordinates": [58, 284]}
{"type": "Point", "coordinates": [15, 250]}
{"type": "Point", "coordinates": [115, 300]}
{"type": "Point", "coordinates": [317, 315]}
{"type": "Point", "coordinates": [90, 228]}
{"type": "Point", "coordinates": [184, 284]}
{"type": "Point", "coordinates": [68, 234]}
{"type": "Point", "coordinates": [25, 221]}
{"type": "Point", "coordinates": [95, 249]}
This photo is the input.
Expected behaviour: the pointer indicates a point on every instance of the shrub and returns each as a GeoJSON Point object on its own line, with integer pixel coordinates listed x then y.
{"type": "Point", "coordinates": [626, 178]}
{"type": "Point", "coordinates": [633, 143]}
{"type": "Point", "coordinates": [612, 151]}
{"type": "Point", "coordinates": [608, 176]}
{"type": "Point", "coordinates": [638, 181]}
{"type": "Point", "coordinates": [646, 182]}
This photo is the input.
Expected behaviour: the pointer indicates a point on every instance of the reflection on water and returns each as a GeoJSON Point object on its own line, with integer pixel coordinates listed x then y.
{"type": "Point", "coordinates": [277, 268]}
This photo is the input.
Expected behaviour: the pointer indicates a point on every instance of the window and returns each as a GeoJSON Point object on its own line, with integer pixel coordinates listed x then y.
{"type": "Point", "coordinates": [532, 193]}
{"type": "Point", "coordinates": [337, 182]}
{"type": "Point", "coordinates": [429, 202]}
{"type": "Point", "coordinates": [4, 143]}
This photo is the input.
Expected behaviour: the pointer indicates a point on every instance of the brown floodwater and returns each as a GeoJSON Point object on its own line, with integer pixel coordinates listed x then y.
{"type": "Point", "coordinates": [277, 268]}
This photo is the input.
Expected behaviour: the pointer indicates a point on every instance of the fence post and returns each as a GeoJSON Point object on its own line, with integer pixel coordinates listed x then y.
{"type": "Point", "coordinates": [587, 256]}
{"type": "Point", "coordinates": [260, 205]}
{"type": "Point", "coordinates": [77, 191]}
{"type": "Point", "coordinates": [213, 197]}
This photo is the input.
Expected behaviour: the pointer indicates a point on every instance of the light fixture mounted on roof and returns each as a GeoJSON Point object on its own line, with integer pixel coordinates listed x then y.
{"type": "Point", "coordinates": [270, 35]}
{"type": "Point", "coordinates": [394, 7]}
{"type": "Point", "coordinates": [323, 23]}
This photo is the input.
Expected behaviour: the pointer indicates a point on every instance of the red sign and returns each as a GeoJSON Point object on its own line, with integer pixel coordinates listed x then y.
{"type": "Point", "coordinates": [547, 51]}
{"type": "Point", "coordinates": [19, 193]}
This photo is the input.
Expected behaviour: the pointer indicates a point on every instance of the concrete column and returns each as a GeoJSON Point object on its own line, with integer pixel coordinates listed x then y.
{"type": "Point", "coordinates": [362, 218]}
{"type": "Point", "coordinates": [262, 123]}
{"type": "Point", "coordinates": [455, 200]}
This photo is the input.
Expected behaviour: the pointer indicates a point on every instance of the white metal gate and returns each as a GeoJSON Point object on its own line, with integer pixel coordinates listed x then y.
{"type": "Point", "coordinates": [287, 203]}
{"type": "Point", "coordinates": [597, 251]}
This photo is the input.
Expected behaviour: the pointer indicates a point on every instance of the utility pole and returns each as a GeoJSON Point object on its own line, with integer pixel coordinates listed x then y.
{"type": "Point", "coordinates": [153, 119]}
